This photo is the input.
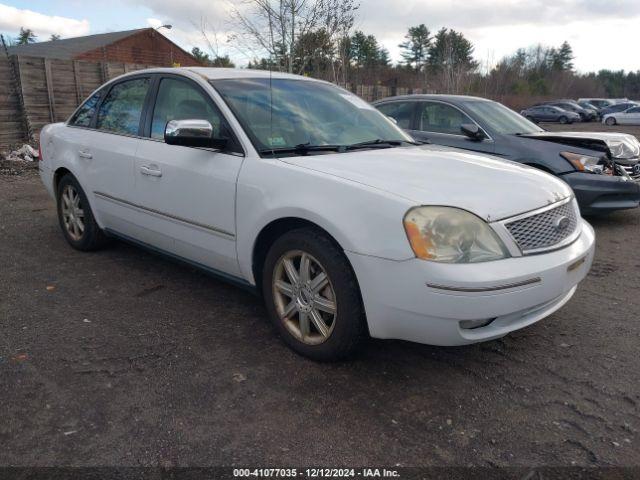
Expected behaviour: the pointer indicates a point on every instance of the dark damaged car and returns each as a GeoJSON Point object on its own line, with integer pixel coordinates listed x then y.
{"type": "Point", "coordinates": [603, 169]}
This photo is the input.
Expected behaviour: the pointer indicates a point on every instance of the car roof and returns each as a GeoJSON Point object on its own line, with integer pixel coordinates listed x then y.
{"type": "Point", "coordinates": [434, 96]}
{"type": "Point", "coordinates": [217, 73]}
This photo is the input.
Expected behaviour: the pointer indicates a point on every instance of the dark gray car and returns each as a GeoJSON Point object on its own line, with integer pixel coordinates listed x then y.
{"type": "Point", "coordinates": [481, 125]}
{"type": "Point", "coordinates": [549, 113]}
{"type": "Point", "coordinates": [586, 115]}
{"type": "Point", "coordinates": [618, 107]}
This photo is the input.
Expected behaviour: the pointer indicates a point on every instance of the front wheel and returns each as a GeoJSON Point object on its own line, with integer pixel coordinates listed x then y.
{"type": "Point", "coordinates": [563, 120]}
{"type": "Point", "coordinates": [312, 295]}
{"type": "Point", "coordinates": [610, 121]}
{"type": "Point", "coordinates": [76, 218]}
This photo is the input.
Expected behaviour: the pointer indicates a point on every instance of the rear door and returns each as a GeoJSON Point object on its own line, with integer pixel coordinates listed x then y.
{"type": "Point", "coordinates": [107, 144]}
{"type": "Point", "coordinates": [538, 113]}
{"type": "Point", "coordinates": [550, 114]}
{"type": "Point", "coordinates": [186, 195]}
{"type": "Point", "coordinates": [440, 123]}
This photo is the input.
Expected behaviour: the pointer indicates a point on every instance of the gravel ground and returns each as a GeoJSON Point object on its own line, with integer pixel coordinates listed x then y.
{"type": "Point", "coordinates": [121, 357]}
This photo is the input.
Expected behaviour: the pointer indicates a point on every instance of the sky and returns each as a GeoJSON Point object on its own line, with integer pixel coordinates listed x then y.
{"type": "Point", "coordinates": [603, 33]}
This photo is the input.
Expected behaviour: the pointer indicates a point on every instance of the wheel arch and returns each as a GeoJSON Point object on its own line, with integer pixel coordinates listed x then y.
{"type": "Point", "coordinates": [57, 176]}
{"type": "Point", "coordinates": [63, 170]}
{"type": "Point", "coordinates": [274, 230]}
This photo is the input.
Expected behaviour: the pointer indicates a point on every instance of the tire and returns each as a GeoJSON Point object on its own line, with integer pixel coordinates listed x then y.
{"type": "Point", "coordinates": [76, 218]}
{"type": "Point", "coordinates": [611, 121]}
{"type": "Point", "coordinates": [293, 307]}
{"type": "Point", "coordinates": [563, 120]}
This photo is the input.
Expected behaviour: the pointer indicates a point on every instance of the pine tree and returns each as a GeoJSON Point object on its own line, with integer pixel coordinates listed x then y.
{"type": "Point", "coordinates": [452, 49]}
{"type": "Point", "coordinates": [415, 49]}
{"type": "Point", "coordinates": [201, 56]}
{"type": "Point", "coordinates": [561, 59]}
{"type": "Point", "coordinates": [26, 36]}
{"type": "Point", "coordinates": [366, 52]}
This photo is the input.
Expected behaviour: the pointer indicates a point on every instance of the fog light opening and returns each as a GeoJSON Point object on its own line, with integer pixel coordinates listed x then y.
{"type": "Point", "coordinates": [473, 324]}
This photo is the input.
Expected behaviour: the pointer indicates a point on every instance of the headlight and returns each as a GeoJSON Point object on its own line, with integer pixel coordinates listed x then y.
{"type": "Point", "coordinates": [451, 235]}
{"type": "Point", "coordinates": [583, 163]}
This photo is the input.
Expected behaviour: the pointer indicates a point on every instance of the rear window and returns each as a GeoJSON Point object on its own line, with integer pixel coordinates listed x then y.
{"type": "Point", "coordinates": [121, 109]}
{"type": "Point", "coordinates": [84, 115]}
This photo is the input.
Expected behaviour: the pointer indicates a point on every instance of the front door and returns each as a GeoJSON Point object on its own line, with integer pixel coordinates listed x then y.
{"type": "Point", "coordinates": [629, 117]}
{"type": "Point", "coordinates": [440, 123]}
{"type": "Point", "coordinates": [186, 195]}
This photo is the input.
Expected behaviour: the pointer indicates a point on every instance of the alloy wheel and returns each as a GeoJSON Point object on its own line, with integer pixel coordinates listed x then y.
{"type": "Point", "coordinates": [72, 212]}
{"type": "Point", "coordinates": [304, 297]}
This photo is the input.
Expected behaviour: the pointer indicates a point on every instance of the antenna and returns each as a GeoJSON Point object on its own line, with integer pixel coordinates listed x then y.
{"type": "Point", "coordinates": [271, 105]}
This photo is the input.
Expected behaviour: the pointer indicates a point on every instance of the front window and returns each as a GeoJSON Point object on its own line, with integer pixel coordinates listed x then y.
{"type": "Point", "coordinates": [401, 112]}
{"type": "Point", "coordinates": [280, 114]}
{"type": "Point", "coordinates": [501, 119]}
{"type": "Point", "coordinates": [439, 117]}
{"type": "Point", "coordinates": [179, 100]}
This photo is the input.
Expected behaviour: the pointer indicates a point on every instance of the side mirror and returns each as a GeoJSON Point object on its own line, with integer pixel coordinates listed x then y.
{"type": "Point", "coordinates": [192, 133]}
{"type": "Point", "coordinates": [392, 119]}
{"type": "Point", "coordinates": [473, 131]}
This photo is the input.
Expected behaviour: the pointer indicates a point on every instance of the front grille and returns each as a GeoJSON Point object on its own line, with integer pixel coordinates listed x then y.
{"type": "Point", "coordinates": [544, 230]}
{"type": "Point", "coordinates": [632, 170]}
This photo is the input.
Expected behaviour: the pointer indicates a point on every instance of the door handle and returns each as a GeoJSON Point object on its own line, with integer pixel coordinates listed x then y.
{"type": "Point", "coordinates": [84, 154]}
{"type": "Point", "coordinates": [149, 171]}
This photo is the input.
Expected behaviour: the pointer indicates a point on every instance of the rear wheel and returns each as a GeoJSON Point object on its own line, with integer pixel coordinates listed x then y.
{"type": "Point", "coordinates": [76, 218]}
{"type": "Point", "coordinates": [312, 295]}
{"type": "Point", "coordinates": [610, 121]}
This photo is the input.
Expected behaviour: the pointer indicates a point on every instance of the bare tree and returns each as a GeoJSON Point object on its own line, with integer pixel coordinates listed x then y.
{"type": "Point", "coordinates": [274, 27]}
{"type": "Point", "coordinates": [338, 20]}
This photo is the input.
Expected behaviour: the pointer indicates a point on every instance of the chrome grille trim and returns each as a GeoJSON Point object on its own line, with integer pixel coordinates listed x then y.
{"type": "Point", "coordinates": [535, 231]}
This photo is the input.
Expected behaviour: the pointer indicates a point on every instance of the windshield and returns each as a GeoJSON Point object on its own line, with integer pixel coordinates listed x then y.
{"type": "Point", "coordinates": [282, 114]}
{"type": "Point", "coordinates": [501, 119]}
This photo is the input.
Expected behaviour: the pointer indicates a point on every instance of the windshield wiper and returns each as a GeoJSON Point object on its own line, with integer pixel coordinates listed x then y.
{"type": "Point", "coordinates": [378, 142]}
{"type": "Point", "coordinates": [306, 148]}
{"type": "Point", "coordinates": [302, 148]}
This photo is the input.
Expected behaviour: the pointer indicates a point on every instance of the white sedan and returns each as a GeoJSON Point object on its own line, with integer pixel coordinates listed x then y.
{"type": "Point", "coordinates": [301, 191]}
{"type": "Point", "coordinates": [631, 116]}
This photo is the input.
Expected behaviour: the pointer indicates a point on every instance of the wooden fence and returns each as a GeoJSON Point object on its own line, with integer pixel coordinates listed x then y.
{"type": "Point", "coordinates": [52, 89]}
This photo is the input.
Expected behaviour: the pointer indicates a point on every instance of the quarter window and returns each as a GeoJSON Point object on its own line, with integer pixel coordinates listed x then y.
{"type": "Point", "coordinates": [84, 115]}
{"type": "Point", "coordinates": [441, 118]}
{"type": "Point", "coordinates": [178, 100]}
{"type": "Point", "coordinates": [401, 112]}
{"type": "Point", "coordinates": [121, 110]}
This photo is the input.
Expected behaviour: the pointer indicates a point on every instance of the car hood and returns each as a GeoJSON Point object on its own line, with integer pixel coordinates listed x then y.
{"type": "Point", "coordinates": [620, 145]}
{"type": "Point", "coordinates": [430, 175]}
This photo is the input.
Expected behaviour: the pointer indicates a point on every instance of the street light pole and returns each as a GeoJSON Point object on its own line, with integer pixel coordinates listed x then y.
{"type": "Point", "coordinates": [168, 27]}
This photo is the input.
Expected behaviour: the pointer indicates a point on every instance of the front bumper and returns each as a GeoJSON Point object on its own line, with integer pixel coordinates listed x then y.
{"type": "Point", "coordinates": [399, 303]}
{"type": "Point", "coordinates": [597, 194]}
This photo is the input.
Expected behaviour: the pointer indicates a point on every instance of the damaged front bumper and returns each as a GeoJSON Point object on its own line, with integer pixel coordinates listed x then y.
{"type": "Point", "coordinates": [599, 194]}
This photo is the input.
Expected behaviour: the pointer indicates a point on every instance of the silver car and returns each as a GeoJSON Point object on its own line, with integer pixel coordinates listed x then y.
{"type": "Point", "coordinates": [631, 116]}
